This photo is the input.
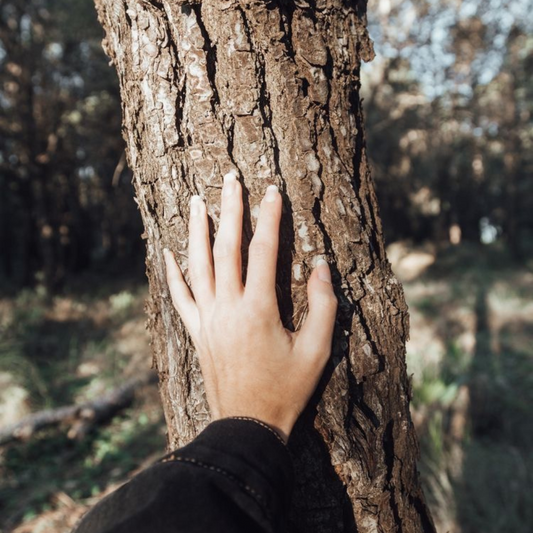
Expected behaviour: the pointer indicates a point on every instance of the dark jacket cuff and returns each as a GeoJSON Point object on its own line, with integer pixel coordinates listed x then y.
{"type": "Point", "coordinates": [251, 452]}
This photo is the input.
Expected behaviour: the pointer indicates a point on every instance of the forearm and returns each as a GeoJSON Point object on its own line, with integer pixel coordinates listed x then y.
{"type": "Point", "coordinates": [235, 476]}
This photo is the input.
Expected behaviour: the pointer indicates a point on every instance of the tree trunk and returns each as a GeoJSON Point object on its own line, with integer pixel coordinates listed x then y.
{"type": "Point", "coordinates": [271, 91]}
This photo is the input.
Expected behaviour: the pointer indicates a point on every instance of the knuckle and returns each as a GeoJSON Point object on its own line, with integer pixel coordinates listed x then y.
{"type": "Point", "coordinates": [223, 249]}
{"type": "Point", "coordinates": [195, 276]}
{"type": "Point", "coordinates": [195, 246]}
{"type": "Point", "coordinates": [177, 306]}
{"type": "Point", "coordinates": [261, 248]}
{"type": "Point", "coordinates": [258, 305]}
{"type": "Point", "coordinates": [256, 315]}
{"type": "Point", "coordinates": [327, 301]}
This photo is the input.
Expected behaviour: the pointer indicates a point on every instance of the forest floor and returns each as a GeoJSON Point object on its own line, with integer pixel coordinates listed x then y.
{"type": "Point", "coordinates": [470, 354]}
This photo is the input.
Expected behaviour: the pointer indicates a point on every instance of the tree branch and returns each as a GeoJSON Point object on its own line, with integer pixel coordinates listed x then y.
{"type": "Point", "coordinates": [80, 417]}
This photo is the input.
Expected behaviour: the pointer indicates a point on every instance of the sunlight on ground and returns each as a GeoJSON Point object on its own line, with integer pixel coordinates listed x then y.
{"type": "Point", "coordinates": [408, 263]}
{"type": "Point", "coordinates": [60, 352]}
{"type": "Point", "coordinates": [471, 356]}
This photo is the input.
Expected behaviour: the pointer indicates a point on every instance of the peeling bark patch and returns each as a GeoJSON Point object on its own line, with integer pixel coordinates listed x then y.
{"type": "Point", "coordinates": [305, 240]}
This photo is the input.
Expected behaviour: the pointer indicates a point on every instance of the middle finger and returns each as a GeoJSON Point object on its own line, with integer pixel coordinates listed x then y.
{"type": "Point", "coordinates": [227, 247]}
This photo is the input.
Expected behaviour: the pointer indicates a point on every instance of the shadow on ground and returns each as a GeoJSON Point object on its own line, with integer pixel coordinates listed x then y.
{"type": "Point", "coordinates": [475, 411]}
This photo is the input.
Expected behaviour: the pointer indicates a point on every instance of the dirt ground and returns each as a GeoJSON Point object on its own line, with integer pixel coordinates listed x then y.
{"type": "Point", "coordinates": [470, 355]}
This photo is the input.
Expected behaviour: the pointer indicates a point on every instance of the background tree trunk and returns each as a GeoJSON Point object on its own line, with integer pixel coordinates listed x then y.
{"type": "Point", "coordinates": [271, 90]}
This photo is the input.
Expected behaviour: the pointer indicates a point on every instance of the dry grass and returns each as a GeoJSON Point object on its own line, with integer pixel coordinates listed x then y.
{"type": "Point", "coordinates": [470, 353]}
{"type": "Point", "coordinates": [64, 350]}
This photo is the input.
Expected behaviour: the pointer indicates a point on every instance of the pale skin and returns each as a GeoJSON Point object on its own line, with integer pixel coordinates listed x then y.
{"type": "Point", "coordinates": [251, 364]}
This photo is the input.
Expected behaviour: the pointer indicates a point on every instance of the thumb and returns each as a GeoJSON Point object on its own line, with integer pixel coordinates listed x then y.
{"type": "Point", "coordinates": [314, 337]}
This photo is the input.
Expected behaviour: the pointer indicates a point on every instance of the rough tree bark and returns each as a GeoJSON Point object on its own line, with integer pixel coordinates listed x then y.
{"type": "Point", "coordinates": [270, 90]}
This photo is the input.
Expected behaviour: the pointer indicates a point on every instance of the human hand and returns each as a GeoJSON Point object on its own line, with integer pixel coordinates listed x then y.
{"type": "Point", "coordinates": [252, 366]}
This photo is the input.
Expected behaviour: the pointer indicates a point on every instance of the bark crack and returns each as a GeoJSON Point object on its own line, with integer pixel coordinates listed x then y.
{"type": "Point", "coordinates": [371, 341]}
{"type": "Point", "coordinates": [264, 97]}
{"type": "Point", "coordinates": [211, 57]}
{"type": "Point", "coordinates": [287, 12]}
{"type": "Point", "coordinates": [422, 510]}
{"type": "Point", "coordinates": [390, 457]}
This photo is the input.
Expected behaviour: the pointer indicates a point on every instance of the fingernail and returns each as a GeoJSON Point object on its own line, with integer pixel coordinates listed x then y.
{"type": "Point", "coordinates": [324, 273]}
{"type": "Point", "coordinates": [229, 183]}
{"type": "Point", "coordinates": [271, 193]}
{"type": "Point", "coordinates": [195, 204]}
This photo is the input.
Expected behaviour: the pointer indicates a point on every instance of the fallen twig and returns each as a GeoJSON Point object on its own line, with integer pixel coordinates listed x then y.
{"type": "Point", "coordinates": [80, 417]}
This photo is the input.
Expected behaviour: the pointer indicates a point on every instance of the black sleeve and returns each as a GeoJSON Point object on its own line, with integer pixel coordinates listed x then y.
{"type": "Point", "coordinates": [236, 476]}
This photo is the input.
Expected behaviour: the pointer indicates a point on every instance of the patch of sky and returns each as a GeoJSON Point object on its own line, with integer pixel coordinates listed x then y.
{"type": "Point", "coordinates": [87, 172]}
{"type": "Point", "coordinates": [85, 50]}
{"type": "Point", "coordinates": [493, 129]}
{"type": "Point", "coordinates": [488, 65]}
{"type": "Point", "coordinates": [488, 232]}
{"type": "Point", "coordinates": [4, 102]}
{"type": "Point", "coordinates": [25, 28]}
{"type": "Point", "coordinates": [73, 81]}
{"type": "Point", "coordinates": [426, 40]}
{"type": "Point", "coordinates": [53, 51]}
{"type": "Point", "coordinates": [468, 9]}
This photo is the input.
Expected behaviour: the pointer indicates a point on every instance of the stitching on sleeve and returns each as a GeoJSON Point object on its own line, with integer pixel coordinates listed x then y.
{"type": "Point", "coordinates": [254, 494]}
{"type": "Point", "coordinates": [275, 433]}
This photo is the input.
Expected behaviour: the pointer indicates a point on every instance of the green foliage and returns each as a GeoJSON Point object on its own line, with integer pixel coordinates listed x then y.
{"type": "Point", "coordinates": [434, 389]}
{"type": "Point", "coordinates": [455, 365]}
{"type": "Point", "coordinates": [32, 473]}
{"type": "Point", "coordinates": [61, 350]}
{"type": "Point", "coordinates": [476, 430]}
{"type": "Point", "coordinates": [121, 302]}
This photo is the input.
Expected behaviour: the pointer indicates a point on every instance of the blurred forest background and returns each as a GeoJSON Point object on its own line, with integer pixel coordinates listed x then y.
{"type": "Point", "coordinates": [448, 104]}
